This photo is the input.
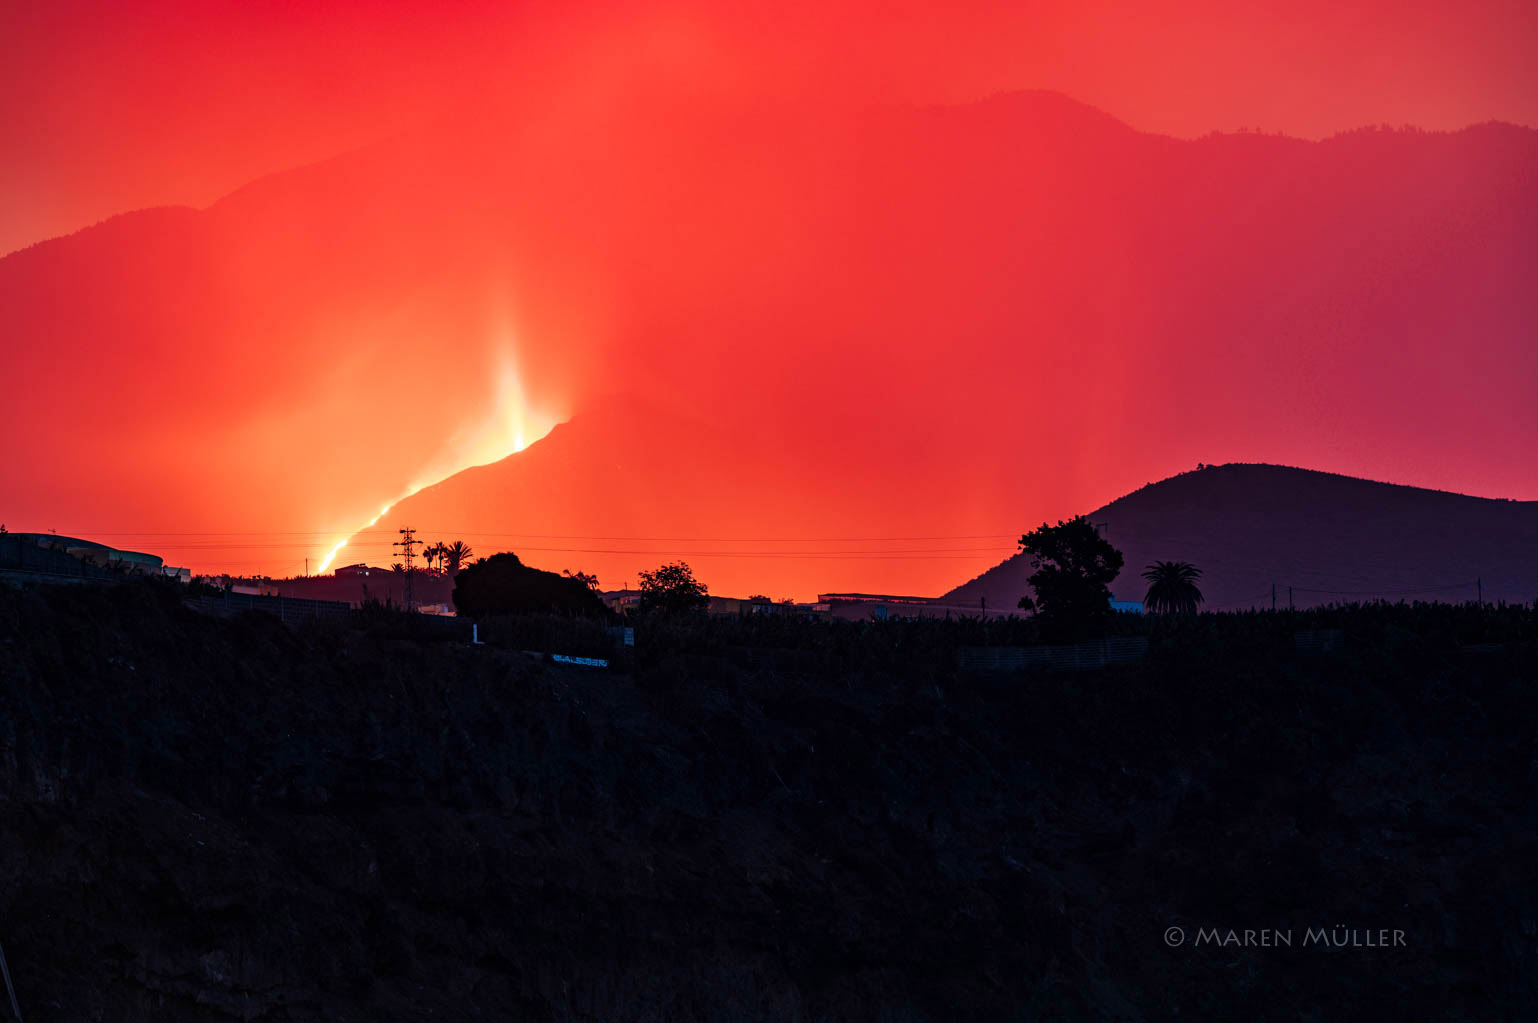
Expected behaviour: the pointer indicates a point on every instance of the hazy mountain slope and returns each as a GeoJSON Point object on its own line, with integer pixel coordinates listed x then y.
{"type": "Point", "coordinates": [1331, 538]}
{"type": "Point", "coordinates": [625, 475]}
{"type": "Point", "coordinates": [1009, 307]}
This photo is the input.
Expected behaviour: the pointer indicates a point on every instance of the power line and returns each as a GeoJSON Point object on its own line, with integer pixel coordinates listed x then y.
{"type": "Point", "coordinates": [1388, 593]}
{"type": "Point", "coordinates": [212, 543]}
{"type": "Point", "coordinates": [718, 539]}
{"type": "Point", "coordinates": [1264, 594]}
{"type": "Point", "coordinates": [353, 545]}
{"type": "Point", "coordinates": [325, 534]}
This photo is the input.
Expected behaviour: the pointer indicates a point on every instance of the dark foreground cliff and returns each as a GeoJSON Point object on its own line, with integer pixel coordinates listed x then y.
{"type": "Point", "coordinates": [212, 820]}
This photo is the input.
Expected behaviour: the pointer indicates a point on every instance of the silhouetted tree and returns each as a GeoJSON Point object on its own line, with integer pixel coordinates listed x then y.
{"type": "Point", "coordinates": [501, 584]}
{"type": "Point", "coordinates": [455, 555]}
{"type": "Point", "coordinates": [672, 589]}
{"type": "Point", "coordinates": [433, 553]}
{"type": "Point", "coordinates": [586, 579]}
{"type": "Point", "coordinates": [1173, 589]}
{"type": "Point", "coordinates": [1074, 567]}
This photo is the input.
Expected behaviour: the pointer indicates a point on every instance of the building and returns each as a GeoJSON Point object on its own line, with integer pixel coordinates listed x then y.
{"type": "Point", "coordinates": [882, 607]}
{"type": "Point", "coordinates": [90, 552]}
{"type": "Point", "coordinates": [628, 602]}
{"type": "Point", "coordinates": [621, 601]}
{"type": "Point", "coordinates": [357, 571]}
{"type": "Point", "coordinates": [742, 605]}
{"type": "Point", "coordinates": [870, 598]}
{"type": "Point", "coordinates": [256, 588]}
{"type": "Point", "coordinates": [760, 605]}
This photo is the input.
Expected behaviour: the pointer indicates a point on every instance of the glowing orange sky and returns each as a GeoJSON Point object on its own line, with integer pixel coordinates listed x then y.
{"type": "Point", "coordinates": [893, 321]}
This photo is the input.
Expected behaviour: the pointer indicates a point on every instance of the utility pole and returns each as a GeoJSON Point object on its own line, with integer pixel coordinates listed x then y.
{"type": "Point", "coordinates": [1480, 584]}
{"type": "Point", "coordinates": [1289, 598]}
{"type": "Point", "coordinates": [1273, 596]}
{"type": "Point", "coordinates": [408, 543]}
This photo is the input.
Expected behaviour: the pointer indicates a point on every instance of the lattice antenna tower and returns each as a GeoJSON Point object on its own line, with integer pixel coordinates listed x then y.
{"type": "Point", "coordinates": [408, 543]}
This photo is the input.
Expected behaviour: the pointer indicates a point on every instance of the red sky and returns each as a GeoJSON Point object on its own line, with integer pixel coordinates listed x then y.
{"type": "Point", "coordinates": [949, 324]}
{"type": "Point", "coordinates": [107, 107]}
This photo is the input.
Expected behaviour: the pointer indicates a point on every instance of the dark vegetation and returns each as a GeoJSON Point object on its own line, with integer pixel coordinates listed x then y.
{"type": "Point", "coordinates": [672, 589]}
{"type": "Point", "coordinates": [1172, 588]}
{"type": "Point", "coordinates": [446, 558]}
{"type": "Point", "coordinates": [1073, 566]}
{"type": "Point", "coordinates": [502, 585]}
{"type": "Point", "coordinates": [210, 819]}
{"type": "Point", "coordinates": [1316, 537]}
{"type": "Point", "coordinates": [579, 635]}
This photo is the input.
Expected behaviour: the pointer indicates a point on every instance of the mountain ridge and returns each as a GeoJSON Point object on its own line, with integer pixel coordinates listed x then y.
{"type": "Point", "coordinates": [1065, 101]}
{"type": "Point", "coordinates": [1360, 540]}
{"type": "Point", "coordinates": [933, 303]}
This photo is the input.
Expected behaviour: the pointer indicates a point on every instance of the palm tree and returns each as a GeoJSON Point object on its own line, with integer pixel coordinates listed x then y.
{"type": "Point", "coordinates": [1173, 589]}
{"type": "Point", "coordinates": [455, 555]}
{"type": "Point", "coordinates": [432, 552]}
{"type": "Point", "coordinates": [590, 581]}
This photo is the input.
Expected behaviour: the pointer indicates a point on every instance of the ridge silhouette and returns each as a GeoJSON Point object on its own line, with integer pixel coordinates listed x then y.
{"type": "Point", "coordinates": [1012, 307]}
{"type": "Point", "coordinates": [1332, 538]}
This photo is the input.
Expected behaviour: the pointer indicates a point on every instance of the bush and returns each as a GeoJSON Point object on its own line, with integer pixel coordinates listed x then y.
{"type": "Point", "coordinates": [503, 585]}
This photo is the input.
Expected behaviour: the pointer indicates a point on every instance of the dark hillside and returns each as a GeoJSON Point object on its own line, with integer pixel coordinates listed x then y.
{"type": "Point", "coordinates": [381, 585]}
{"type": "Point", "coordinates": [1331, 538]}
{"type": "Point", "coordinates": [217, 820]}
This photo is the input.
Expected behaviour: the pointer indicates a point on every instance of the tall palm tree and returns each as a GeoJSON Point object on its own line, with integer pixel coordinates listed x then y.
{"type": "Point", "coordinates": [455, 555]}
{"type": "Point", "coordinates": [1173, 588]}
{"type": "Point", "coordinates": [433, 553]}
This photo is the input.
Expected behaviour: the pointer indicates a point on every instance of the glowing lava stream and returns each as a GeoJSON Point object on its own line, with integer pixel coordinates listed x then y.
{"type": "Point", "coordinates": [343, 543]}
{"type": "Point", "coordinates": [512, 428]}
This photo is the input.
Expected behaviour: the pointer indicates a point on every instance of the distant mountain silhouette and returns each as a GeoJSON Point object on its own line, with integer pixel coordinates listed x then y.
{"type": "Point", "coordinates": [1332, 538]}
{"type": "Point", "coordinates": [1007, 308]}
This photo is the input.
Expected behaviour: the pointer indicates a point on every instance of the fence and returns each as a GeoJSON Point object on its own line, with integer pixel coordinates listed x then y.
{"type": "Point", "coordinates": [288, 609]}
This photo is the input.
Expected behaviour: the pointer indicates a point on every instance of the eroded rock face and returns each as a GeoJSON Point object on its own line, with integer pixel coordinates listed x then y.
{"type": "Point", "coordinates": [213, 820]}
